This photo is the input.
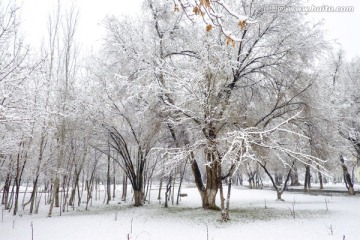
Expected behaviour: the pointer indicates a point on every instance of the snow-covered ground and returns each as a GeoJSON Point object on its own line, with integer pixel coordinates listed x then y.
{"type": "Point", "coordinates": [249, 219]}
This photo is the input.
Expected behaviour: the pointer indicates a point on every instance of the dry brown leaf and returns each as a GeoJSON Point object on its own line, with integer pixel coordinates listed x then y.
{"type": "Point", "coordinates": [176, 8]}
{"type": "Point", "coordinates": [242, 24]}
{"type": "Point", "coordinates": [207, 3]}
{"type": "Point", "coordinates": [209, 27]}
{"type": "Point", "coordinates": [231, 41]}
{"type": "Point", "coordinates": [196, 10]}
{"type": "Point", "coordinates": [228, 40]}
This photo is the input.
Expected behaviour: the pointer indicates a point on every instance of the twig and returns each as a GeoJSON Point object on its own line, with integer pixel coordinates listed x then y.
{"type": "Point", "coordinates": [207, 232]}
{"type": "Point", "coordinates": [332, 229]}
{"type": "Point", "coordinates": [292, 209]}
{"type": "Point", "coordinates": [326, 204]}
{"type": "Point", "coordinates": [32, 231]}
{"type": "Point", "coordinates": [265, 204]}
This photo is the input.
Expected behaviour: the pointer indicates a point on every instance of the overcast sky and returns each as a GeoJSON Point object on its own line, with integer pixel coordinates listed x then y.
{"type": "Point", "coordinates": [342, 27]}
{"type": "Point", "coordinates": [91, 14]}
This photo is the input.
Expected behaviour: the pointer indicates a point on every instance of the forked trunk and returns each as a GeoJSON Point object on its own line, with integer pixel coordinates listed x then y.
{"type": "Point", "coordinates": [209, 199]}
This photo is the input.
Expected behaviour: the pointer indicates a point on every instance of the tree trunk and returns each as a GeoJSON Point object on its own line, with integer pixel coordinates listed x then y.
{"type": "Point", "coordinates": [307, 183]}
{"type": "Point", "coordinates": [57, 191]}
{"type": "Point", "coordinates": [294, 177]}
{"type": "Point", "coordinates": [138, 197]}
{"type": "Point", "coordinates": [180, 183]}
{"type": "Point", "coordinates": [108, 182]}
{"type": "Point", "coordinates": [320, 178]}
{"type": "Point", "coordinates": [347, 177]}
{"type": "Point", "coordinates": [75, 185]}
{"type": "Point", "coordinates": [114, 180]}
{"type": "Point", "coordinates": [79, 193]}
{"type": "Point", "coordinates": [160, 187]}
{"type": "Point", "coordinates": [124, 188]}
{"type": "Point", "coordinates": [167, 191]}
{"type": "Point", "coordinates": [279, 191]}
{"type": "Point", "coordinates": [33, 194]}
{"type": "Point", "coordinates": [6, 191]}
{"type": "Point", "coordinates": [225, 211]}
{"type": "Point", "coordinates": [51, 201]}
{"type": "Point", "coordinates": [198, 178]}
{"type": "Point", "coordinates": [17, 190]}
{"type": "Point", "coordinates": [209, 199]}
{"type": "Point", "coordinates": [11, 197]}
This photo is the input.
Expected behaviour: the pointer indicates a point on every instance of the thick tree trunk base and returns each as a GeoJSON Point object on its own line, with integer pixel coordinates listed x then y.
{"type": "Point", "coordinates": [209, 199]}
{"type": "Point", "coordinates": [138, 198]}
{"type": "Point", "coordinates": [351, 191]}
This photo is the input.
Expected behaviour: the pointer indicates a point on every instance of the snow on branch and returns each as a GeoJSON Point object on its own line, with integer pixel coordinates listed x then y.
{"type": "Point", "coordinates": [243, 145]}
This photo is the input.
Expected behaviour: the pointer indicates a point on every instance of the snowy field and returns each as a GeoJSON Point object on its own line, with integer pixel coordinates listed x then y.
{"type": "Point", "coordinates": [339, 219]}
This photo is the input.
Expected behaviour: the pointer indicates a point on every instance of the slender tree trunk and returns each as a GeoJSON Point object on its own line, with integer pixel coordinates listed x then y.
{"type": "Point", "coordinates": [124, 188]}
{"type": "Point", "coordinates": [108, 182]}
{"type": "Point", "coordinates": [160, 187]}
{"type": "Point", "coordinates": [180, 183]}
{"type": "Point", "coordinates": [11, 197]}
{"type": "Point", "coordinates": [6, 191]}
{"type": "Point", "coordinates": [57, 191]}
{"type": "Point", "coordinates": [37, 204]}
{"type": "Point", "coordinates": [320, 178]}
{"type": "Point", "coordinates": [198, 179]}
{"type": "Point", "coordinates": [54, 197]}
{"type": "Point", "coordinates": [347, 177]}
{"type": "Point", "coordinates": [173, 192]}
{"type": "Point", "coordinates": [226, 209]}
{"type": "Point", "coordinates": [17, 190]}
{"type": "Point", "coordinates": [79, 194]}
{"type": "Point", "coordinates": [167, 191]}
{"type": "Point", "coordinates": [114, 180]}
{"type": "Point", "coordinates": [19, 171]}
{"type": "Point", "coordinates": [33, 195]}
{"type": "Point", "coordinates": [75, 185]}
{"type": "Point", "coordinates": [307, 183]}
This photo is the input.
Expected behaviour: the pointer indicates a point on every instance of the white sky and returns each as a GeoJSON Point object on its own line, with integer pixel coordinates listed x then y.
{"type": "Point", "coordinates": [35, 15]}
{"type": "Point", "coordinates": [342, 27]}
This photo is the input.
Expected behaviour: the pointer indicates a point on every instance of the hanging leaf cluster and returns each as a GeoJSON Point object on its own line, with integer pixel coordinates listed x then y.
{"type": "Point", "coordinates": [242, 24]}
{"type": "Point", "coordinates": [176, 8]}
{"type": "Point", "coordinates": [229, 41]}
